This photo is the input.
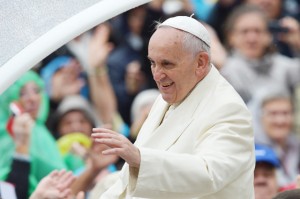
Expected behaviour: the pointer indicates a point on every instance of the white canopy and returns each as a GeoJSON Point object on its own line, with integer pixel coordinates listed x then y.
{"type": "Point", "coordinates": [31, 30]}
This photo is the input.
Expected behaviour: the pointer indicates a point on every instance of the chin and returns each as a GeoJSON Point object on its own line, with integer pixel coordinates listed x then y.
{"type": "Point", "coordinates": [34, 115]}
{"type": "Point", "coordinates": [167, 98]}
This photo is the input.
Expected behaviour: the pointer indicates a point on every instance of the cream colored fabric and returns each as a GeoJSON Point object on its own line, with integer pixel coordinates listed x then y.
{"type": "Point", "coordinates": [203, 149]}
{"type": "Point", "coordinates": [103, 185]}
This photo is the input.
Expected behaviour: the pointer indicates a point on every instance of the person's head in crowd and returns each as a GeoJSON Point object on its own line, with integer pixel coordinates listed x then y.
{"type": "Point", "coordinates": [277, 116]}
{"type": "Point", "coordinates": [273, 114]}
{"type": "Point", "coordinates": [273, 8]}
{"type": "Point", "coordinates": [74, 114]}
{"type": "Point", "coordinates": [135, 19]}
{"type": "Point", "coordinates": [26, 134]}
{"type": "Point", "coordinates": [140, 109]}
{"type": "Point", "coordinates": [289, 194]}
{"type": "Point", "coordinates": [63, 77]}
{"type": "Point", "coordinates": [282, 24]}
{"type": "Point", "coordinates": [129, 28]}
{"type": "Point", "coordinates": [177, 70]}
{"type": "Point", "coordinates": [134, 77]}
{"type": "Point", "coordinates": [75, 119]}
{"type": "Point", "coordinates": [143, 101]}
{"type": "Point", "coordinates": [265, 182]}
{"type": "Point", "coordinates": [247, 32]}
{"type": "Point", "coordinates": [175, 6]}
{"type": "Point", "coordinates": [28, 96]}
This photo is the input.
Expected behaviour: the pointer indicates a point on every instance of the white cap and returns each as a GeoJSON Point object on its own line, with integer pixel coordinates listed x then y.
{"type": "Point", "coordinates": [190, 25]}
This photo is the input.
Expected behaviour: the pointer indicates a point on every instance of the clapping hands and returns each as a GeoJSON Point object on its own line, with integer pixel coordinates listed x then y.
{"type": "Point", "coordinates": [56, 185]}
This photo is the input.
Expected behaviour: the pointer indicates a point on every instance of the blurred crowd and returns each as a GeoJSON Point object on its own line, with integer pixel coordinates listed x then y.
{"type": "Point", "coordinates": [103, 78]}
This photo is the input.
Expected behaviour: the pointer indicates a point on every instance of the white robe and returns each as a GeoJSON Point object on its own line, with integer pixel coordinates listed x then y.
{"type": "Point", "coordinates": [203, 149]}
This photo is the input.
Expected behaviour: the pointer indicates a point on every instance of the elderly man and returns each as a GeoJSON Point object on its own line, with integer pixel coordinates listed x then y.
{"type": "Point", "coordinates": [197, 140]}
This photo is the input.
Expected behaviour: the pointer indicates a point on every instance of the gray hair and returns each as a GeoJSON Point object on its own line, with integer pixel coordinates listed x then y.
{"type": "Point", "coordinates": [267, 93]}
{"type": "Point", "coordinates": [194, 44]}
{"type": "Point", "coordinates": [145, 97]}
{"type": "Point", "coordinates": [271, 93]}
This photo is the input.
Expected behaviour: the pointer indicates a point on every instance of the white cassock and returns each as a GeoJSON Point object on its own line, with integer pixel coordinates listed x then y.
{"type": "Point", "coordinates": [203, 149]}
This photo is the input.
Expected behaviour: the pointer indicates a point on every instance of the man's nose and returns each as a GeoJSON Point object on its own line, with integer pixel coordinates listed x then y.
{"type": "Point", "coordinates": [76, 126]}
{"type": "Point", "coordinates": [158, 73]}
{"type": "Point", "coordinates": [32, 96]}
{"type": "Point", "coordinates": [251, 36]}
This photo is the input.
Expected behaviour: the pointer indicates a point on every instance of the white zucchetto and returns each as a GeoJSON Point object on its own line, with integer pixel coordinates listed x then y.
{"type": "Point", "coordinates": [190, 25]}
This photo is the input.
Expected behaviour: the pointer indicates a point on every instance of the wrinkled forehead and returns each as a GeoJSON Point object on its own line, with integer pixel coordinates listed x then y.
{"type": "Point", "coordinates": [166, 36]}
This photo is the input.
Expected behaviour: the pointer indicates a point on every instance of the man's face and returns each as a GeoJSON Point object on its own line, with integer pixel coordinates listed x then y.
{"type": "Point", "coordinates": [277, 119]}
{"type": "Point", "coordinates": [250, 36]}
{"type": "Point", "coordinates": [30, 99]}
{"type": "Point", "coordinates": [173, 68]}
{"type": "Point", "coordinates": [265, 183]}
{"type": "Point", "coordinates": [74, 121]}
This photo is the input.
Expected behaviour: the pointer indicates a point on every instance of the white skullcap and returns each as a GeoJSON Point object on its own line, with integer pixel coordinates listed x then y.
{"type": "Point", "coordinates": [190, 25]}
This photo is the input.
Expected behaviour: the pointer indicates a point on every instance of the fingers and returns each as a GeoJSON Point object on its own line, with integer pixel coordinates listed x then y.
{"type": "Point", "coordinates": [78, 150]}
{"type": "Point", "coordinates": [64, 194]}
{"type": "Point", "coordinates": [119, 145]}
{"type": "Point", "coordinates": [106, 135]}
{"type": "Point", "coordinates": [102, 33]}
{"type": "Point", "coordinates": [66, 180]}
{"type": "Point", "coordinates": [290, 23]}
{"type": "Point", "coordinates": [63, 179]}
{"type": "Point", "coordinates": [80, 195]}
{"type": "Point", "coordinates": [23, 121]}
{"type": "Point", "coordinates": [103, 130]}
{"type": "Point", "coordinates": [109, 139]}
{"type": "Point", "coordinates": [111, 151]}
{"type": "Point", "coordinates": [72, 87]}
{"type": "Point", "coordinates": [53, 174]}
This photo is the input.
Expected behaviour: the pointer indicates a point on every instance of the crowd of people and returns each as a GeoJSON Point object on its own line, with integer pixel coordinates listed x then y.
{"type": "Point", "coordinates": [103, 78]}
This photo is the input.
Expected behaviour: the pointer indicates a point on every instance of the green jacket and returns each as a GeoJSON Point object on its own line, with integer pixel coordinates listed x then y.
{"type": "Point", "coordinates": [44, 154]}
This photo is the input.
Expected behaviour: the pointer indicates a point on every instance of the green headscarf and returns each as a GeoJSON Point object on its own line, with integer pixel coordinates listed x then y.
{"type": "Point", "coordinates": [13, 94]}
{"type": "Point", "coordinates": [44, 155]}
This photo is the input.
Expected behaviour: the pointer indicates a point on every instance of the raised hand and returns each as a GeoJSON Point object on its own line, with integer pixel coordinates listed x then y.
{"type": "Point", "coordinates": [22, 127]}
{"type": "Point", "coordinates": [292, 37]}
{"type": "Point", "coordinates": [97, 160]}
{"type": "Point", "coordinates": [67, 81]}
{"type": "Point", "coordinates": [56, 185]}
{"type": "Point", "coordinates": [99, 47]}
{"type": "Point", "coordinates": [118, 145]}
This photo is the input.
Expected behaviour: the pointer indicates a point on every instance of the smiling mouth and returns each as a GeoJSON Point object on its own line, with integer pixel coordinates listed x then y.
{"type": "Point", "coordinates": [167, 85]}
{"type": "Point", "coordinates": [32, 109]}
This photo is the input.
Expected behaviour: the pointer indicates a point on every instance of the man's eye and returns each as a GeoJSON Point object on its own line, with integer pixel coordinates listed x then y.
{"type": "Point", "coordinates": [152, 63]}
{"type": "Point", "coordinates": [167, 65]}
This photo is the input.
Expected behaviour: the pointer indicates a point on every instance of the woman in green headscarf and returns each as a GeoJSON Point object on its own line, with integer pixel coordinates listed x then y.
{"type": "Point", "coordinates": [40, 149]}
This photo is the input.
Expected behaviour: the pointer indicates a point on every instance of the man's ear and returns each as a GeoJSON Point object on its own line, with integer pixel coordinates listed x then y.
{"type": "Point", "coordinates": [202, 63]}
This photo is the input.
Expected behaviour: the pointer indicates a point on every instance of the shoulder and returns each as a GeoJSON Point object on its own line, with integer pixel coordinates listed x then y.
{"type": "Point", "coordinates": [282, 59]}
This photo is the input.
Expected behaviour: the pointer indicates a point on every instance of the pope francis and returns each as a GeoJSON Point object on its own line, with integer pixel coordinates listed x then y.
{"type": "Point", "coordinates": [197, 141]}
